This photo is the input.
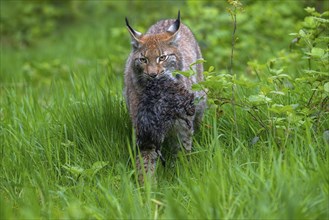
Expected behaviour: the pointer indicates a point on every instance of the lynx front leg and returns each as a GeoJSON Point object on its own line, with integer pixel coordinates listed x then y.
{"type": "Point", "coordinates": [146, 163]}
{"type": "Point", "coordinates": [185, 133]}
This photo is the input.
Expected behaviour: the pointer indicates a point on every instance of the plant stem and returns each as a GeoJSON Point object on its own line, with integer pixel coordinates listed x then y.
{"type": "Point", "coordinates": [233, 14]}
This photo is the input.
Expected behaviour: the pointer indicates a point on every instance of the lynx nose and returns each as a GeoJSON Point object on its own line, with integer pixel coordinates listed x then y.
{"type": "Point", "coordinates": [153, 75]}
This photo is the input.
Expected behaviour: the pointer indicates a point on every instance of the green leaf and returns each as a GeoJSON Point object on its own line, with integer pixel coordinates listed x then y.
{"type": "Point", "coordinates": [322, 20]}
{"type": "Point", "coordinates": [315, 73]}
{"type": "Point", "coordinates": [278, 108]}
{"type": "Point", "coordinates": [326, 87]}
{"type": "Point", "coordinates": [317, 52]}
{"type": "Point", "coordinates": [276, 71]}
{"type": "Point", "coordinates": [197, 87]}
{"type": "Point", "coordinates": [277, 92]}
{"type": "Point", "coordinates": [99, 165]}
{"type": "Point", "coordinates": [259, 99]}
{"type": "Point", "coordinates": [245, 83]}
{"type": "Point", "coordinates": [302, 33]}
{"type": "Point", "coordinates": [74, 169]}
{"type": "Point", "coordinates": [198, 62]}
{"type": "Point", "coordinates": [310, 10]}
{"type": "Point", "coordinates": [293, 34]}
{"type": "Point", "coordinates": [184, 73]}
{"type": "Point", "coordinates": [279, 76]}
{"type": "Point", "coordinates": [309, 22]}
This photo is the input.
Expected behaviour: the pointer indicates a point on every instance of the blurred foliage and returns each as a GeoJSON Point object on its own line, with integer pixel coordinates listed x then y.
{"type": "Point", "coordinates": [25, 22]}
{"type": "Point", "coordinates": [45, 72]}
{"type": "Point", "coordinates": [263, 26]}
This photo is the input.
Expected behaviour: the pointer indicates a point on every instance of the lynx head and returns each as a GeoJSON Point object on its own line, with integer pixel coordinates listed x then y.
{"type": "Point", "coordinates": [155, 54]}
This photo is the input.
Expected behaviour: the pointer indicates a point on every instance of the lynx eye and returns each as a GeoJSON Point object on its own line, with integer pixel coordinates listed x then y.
{"type": "Point", "coordinates": [143, 60]}
{"type": "Point", "coordinates": [162, 58]}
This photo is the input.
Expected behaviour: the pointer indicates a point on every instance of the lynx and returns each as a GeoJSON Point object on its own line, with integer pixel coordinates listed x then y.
{"type": "Point", "coordinates": [166, 47]}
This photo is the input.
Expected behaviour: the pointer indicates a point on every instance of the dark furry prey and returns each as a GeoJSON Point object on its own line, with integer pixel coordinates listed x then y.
{"type": "Point", "coordinates": [163, 101]}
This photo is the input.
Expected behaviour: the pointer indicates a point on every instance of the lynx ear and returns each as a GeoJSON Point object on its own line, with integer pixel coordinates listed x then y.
{"type": "Point", "coordinates": [173, 30]}
{"type": "Point", "coordinates": [135, 35]}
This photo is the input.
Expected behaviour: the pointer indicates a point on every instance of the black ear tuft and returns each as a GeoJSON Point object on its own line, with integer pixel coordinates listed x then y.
{"type": "Point", "coordinates": [131, 30]}
{"type": "Point", "coordinates": [175, 26]}
{"type": "Point", "coordinates": [135, 35]}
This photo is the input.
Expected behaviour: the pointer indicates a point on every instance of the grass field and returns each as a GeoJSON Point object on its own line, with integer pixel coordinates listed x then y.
{"type": "Point", "coordinates": [67, 145]}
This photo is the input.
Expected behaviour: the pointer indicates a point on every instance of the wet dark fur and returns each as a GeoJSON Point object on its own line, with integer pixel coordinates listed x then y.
{"type": "Point", "coordinates": [163, 101]}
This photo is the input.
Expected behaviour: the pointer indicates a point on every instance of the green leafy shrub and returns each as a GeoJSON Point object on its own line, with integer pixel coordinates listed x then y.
{"type": "Point", "coordinates": [289, 92]}
{"type": "Point", "coordinates": [213, 28]}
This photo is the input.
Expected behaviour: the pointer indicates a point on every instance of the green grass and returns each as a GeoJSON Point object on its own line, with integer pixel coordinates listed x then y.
{"type": "Point", "coordinates": [67, 146]}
